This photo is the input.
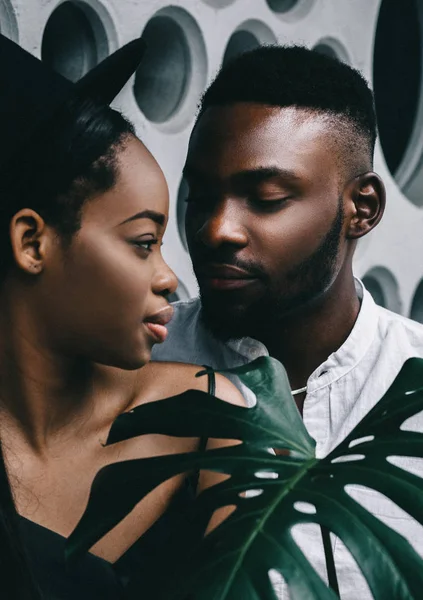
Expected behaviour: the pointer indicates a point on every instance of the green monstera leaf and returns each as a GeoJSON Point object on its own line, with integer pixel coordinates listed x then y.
{"type": "Point", "coordinates": [233, 561]}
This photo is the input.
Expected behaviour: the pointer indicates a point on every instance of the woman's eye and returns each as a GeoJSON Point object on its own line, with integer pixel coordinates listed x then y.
{"type": "Point", "coordinates": [145, 244]}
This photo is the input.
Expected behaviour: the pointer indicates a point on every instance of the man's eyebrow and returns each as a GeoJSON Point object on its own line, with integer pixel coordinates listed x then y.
{"type": "Point", "coordinates": [157, 217]}
{"type": "Point", "coordinates": [255, 175]}
{"type": "Point", "coordinates": [259, 174]}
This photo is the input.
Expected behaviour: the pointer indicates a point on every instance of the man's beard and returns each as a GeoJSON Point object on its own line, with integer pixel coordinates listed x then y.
{"type": "Point", "coordinates": [307, 282]}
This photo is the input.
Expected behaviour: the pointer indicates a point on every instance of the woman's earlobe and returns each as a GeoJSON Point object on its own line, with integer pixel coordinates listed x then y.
{"type": "Point", "coordinates": [369, 197]}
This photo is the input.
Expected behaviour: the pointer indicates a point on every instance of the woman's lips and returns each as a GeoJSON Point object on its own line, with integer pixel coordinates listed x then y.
{"type": "Point", "coordinates": [159, 331]}
{"type": "Point", "coordinates": [156, 323]}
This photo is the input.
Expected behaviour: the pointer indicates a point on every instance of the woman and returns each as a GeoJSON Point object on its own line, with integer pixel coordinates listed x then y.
{"type": "Point", "coordinates": [84, 208]}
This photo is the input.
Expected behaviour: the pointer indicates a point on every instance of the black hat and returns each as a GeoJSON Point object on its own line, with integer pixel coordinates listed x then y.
{"type": "Point", "coordinates": [31, 92]}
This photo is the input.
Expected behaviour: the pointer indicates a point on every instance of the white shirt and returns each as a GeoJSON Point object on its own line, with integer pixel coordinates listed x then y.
{"type": "Point", "coordinates": [339, 393]}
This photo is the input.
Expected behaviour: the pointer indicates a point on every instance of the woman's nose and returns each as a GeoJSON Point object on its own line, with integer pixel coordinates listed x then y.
{"type": "Point", "coordinates": [165, 282]}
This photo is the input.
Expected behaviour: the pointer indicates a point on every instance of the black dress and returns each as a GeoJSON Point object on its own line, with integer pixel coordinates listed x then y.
{"type": "Point", "coordinates": [92, 577]}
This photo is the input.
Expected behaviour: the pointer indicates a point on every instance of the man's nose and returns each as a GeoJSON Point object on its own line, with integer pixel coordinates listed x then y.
{"type": "Point", "coordinates": [165, 281]}
{"type": "Point", "coordinates": [224, 226]}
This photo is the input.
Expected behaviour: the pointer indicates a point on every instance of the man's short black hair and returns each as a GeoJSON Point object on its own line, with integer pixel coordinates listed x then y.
{"type": "Point", "coordinates": [295, 76]}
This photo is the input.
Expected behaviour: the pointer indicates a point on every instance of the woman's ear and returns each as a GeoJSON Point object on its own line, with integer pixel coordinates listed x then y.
{"type": "Point", "coordinates": [368, 195]}
{"type": "Point", "coordinates": [29, 238]}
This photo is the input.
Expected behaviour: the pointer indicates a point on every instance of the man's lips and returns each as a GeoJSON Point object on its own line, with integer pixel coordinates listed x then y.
{"type": "Point", "coordinates": [225, 277]}
{"type": "Point", "coordinates": [157, 322]}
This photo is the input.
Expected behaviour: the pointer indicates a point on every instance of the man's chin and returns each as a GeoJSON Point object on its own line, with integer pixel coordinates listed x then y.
{"type": "Point", "coordinates": [222, 331]}
{"type": "Point", "coordinates": [225, 323]}
{"type": "Point", "coordinates": [229, 321]}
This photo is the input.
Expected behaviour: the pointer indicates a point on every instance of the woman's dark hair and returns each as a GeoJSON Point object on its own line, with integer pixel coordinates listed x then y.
{"type": "Point", "coordinates": [73, 159]}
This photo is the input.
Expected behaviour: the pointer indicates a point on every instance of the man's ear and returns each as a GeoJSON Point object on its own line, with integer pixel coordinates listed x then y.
{"type": "Point", "coordinates": [29, 237]}
{"type": "Point", "coordinates": [367, 192]}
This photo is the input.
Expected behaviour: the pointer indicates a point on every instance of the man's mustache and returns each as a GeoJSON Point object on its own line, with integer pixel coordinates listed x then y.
{"type": "Point", "coordinates": [202, 260]}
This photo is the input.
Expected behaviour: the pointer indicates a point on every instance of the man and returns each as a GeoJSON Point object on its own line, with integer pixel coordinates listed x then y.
{"type": "Point", "coordinates": [281, 187]}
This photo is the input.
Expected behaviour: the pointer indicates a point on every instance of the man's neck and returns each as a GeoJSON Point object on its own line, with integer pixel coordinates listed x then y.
{"type": "Point", "coordinates": [304, 341]}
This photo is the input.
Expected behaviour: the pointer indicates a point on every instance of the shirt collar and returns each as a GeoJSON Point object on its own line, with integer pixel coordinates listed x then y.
{"type": "Point", "coordinates": [340, 362]}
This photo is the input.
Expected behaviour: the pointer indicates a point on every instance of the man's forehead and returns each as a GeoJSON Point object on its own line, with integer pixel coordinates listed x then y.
{"type": "Point", "coordinates": [250, 116]}
{"type": "Point", "coordinates": [257, 134]}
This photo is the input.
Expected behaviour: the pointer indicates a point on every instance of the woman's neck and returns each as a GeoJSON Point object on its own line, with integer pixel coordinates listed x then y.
{"type": "Point", "coordinates": [45, 397]}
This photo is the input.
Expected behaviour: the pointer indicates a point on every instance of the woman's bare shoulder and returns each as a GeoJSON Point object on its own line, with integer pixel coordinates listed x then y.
{"type": "Point", "coordinates": [159, 380]}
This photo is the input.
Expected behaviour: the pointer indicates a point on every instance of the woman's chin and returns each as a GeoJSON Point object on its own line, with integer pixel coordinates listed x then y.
{"type": "Point", "coordinates": [127, 362]}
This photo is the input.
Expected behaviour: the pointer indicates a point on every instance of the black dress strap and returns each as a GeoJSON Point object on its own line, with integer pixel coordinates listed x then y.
{"type": "Point", "coordinates": [212, 383]}
{"type": "Point", "coordinates": [211, 389]}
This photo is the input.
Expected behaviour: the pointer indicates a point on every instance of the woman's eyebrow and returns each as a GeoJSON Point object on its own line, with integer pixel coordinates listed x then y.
{"type": "Point", "coordinates": [157, 217]}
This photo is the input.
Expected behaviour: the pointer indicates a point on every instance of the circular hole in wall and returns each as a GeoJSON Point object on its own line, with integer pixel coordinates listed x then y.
{"type": "Point", "coordinates": [241, 41]}
{"type": "Point", "coordinates": [290, 9]}
{"type": "Point", "coordinates": [174, 67]}
{"type": "Point", "coordinates": [8, 22]}
{"type": "Point", "coordinates": [373, 286]}
{"type": "Point", "coordinates": [416, 312]}
{"type": "Point", "coordinates": [74, 40]}
{"type": "Point", "coordinates": [332, 48]}
{"type": "Point", "coordinates": [247, 36]}
{"type": "Point", "coordinates": [384, 288]}
{"type": "Point", "coordinates": [181, 209]}
{"type": "Point", "coordinates": [397, 79]}
{"type": "Point", "coordinates": [282, 6]}
{"type": "Point", "coordinates": [161, 84]}
{"type": "Point", "coordinates": [219, 3]}
{"type": "Point", "coordinates": [325, 50]}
